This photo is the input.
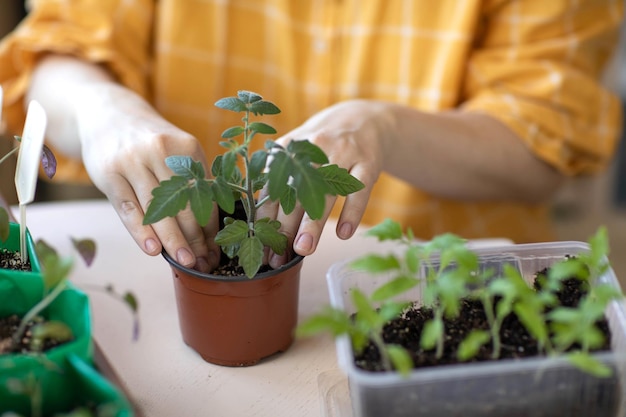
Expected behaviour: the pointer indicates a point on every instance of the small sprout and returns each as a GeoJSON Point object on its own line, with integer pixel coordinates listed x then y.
{"type": "Point", "coordinates": [449, 273]}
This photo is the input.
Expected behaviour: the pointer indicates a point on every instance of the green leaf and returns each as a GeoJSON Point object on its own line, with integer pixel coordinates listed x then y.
{"type": "Point", "coordinates": [310, 189]}
{"type": "Point", "coordinates": [55, 269]}
{"type": "Point", "coordinates": [281, 167]}
{"type": "Point", "coordinates": [52, 329]}
{"type": "Point", "coordinates": [4, 225]}
{"type": "Point", "coordinates": [472, 343]}
{"type": "Point", "coordinates": [394, 287]}
{"type": "Point", "coordinates": [532, 320]}
{"type": "Point", "coordinates": [260, 127]}
{"type": "Point", "coordinates": [339, 180]}
{"type": "Point", "coordinates": [306, 152]}
{"type": "Point", "coordinates": [257, 163]}
{"type": "Point", "coordinates": [231, 132]}
{"type": "Point", "coordinates": [201, 200]}
{"type": "Point", "coordinates": [248, 96]}
{"type": "Point", "coordinates": [232, 234]}
{"type": "Point", "coordinates": [388, 229]}
{"type": "Point", "coordinates": [432, 331]}
{"type": "Point", "coordinates": [232, 104]}
{"type": "Point", "coordinates": [185, 167]}
{"type": "Point", "coordinates": [229, 162]}
{"type": "Point", "coordinates": [251, 255]}
{"type": "Point", "coordinates": [223, 195]}
{"type": "Point", "coordinates": [170, 197]}
{"type": "Point", "coordinates": [589, 364]}
{"type": "Point", "coordinates": [288, 200]}
{"type": "Point", "coordinates": [400, 358]}
{"type": "Point", "coordinates": [131, 301]}
{"type": "Point", "coordinates": [375, 263]}
{"type": "Point", "coordinates": [263, 107]}
{"type": "Point", "coordinates": [86, 248]}
{"type": "Point", "coordinates": [365, 312]}
{"type": "Point", "coordinates": [330, 319]}
{"type": "Point", "coordinates": [270, 236]}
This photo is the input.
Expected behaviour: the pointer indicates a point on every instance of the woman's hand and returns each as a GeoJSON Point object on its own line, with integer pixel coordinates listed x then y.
{"type": "Point", "coordinates": [350, 133]}
{"type": "Point", "coordinates": [123, 142]}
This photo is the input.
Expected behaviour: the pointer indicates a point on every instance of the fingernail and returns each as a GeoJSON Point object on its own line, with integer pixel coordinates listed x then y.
{"type": "Point", "coordinates": [152, 246]}
{"type": "Point", "coordinates": [345, 231]}
{"type": "Point", "coordinates": [277, 260]}
{"type": "Point", "coordinates": [202, 265]}
{"type": "Point", "coordinates": [184, 257]}
{"type": "Point", "coordinates": [304, 243]}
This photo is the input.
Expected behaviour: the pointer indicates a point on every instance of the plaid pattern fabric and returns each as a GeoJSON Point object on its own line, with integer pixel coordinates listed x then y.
{"type": "Point", "coordinates": [533, 64]}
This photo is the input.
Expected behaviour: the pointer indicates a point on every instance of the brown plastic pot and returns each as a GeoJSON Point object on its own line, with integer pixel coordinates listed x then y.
{"type": "Point", "coordinates": [237, 321]}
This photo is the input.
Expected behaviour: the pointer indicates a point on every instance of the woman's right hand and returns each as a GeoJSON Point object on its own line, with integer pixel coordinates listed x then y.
{"type": "Point", "coordinates": [123, 143]}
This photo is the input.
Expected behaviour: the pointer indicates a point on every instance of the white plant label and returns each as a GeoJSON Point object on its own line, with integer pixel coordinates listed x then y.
{"type": "Point", "coordinates": [28, 160]}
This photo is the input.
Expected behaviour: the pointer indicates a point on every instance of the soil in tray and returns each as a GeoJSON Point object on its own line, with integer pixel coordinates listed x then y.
{"type": "Point", "coordinates": [515, 339]}
{"type": "Point", "coordinates": [8, 326]}
{"type": "Point", "coordinates": [12, 260]}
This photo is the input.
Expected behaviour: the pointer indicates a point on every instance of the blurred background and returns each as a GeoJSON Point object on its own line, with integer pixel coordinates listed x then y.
{"type": "Point", "coordinates": [579, 208]}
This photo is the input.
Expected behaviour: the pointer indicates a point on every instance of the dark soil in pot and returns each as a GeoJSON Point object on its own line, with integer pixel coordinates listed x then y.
{"type": "Point", "coordinates": [12, 260]}
{"type": "Point", "coordinates": [9, 325]}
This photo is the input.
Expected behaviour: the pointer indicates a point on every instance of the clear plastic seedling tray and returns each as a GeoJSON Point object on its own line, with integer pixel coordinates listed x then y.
{"type": "Point", "coordinates": [528, 387]}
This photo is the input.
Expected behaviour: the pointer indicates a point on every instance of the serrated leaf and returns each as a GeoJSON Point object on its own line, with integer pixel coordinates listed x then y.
{"type": "Point", "coordinates": [248, 96]}
{"type": "Point", "coordinates": [270, 236]}
{"type": "Point", "coordinates": [263, 107]}
{"type": "Point", "coordinates": [310, 187]}
{"type": "Point", "coordinates": [201, 200]}
{"type": "Point", "coordinates": [231, 103]}
{"type": "Point", "coordinates": [260, 127]}
{"type": "Point", "coordinates": [232, 234]}
{"type": "Point", "coordinates": [306, 152]}
{"type": "Point", "coordinates": [251, 255]}
{"type": "Point", "coordinates": [170, 197]}
{"type": "Point", "coordinates": [339, 180]}
{"type": "Point", "coordinates": [257, 163]}
{"type": "Point", "coordinates": [278, 176]}
{"type": "Point", "coordinates": [288, 200]}
{"type": "Point", "coordinates": [223, 195]}
{"type": "Point", "coordinates": [231, 132]}
{"type": "Point", "coordinates": [86, 248]}
{"type": "Point", "coordinates": [185, 167]}
{"type": "Point", "coordinates": [229, 162]}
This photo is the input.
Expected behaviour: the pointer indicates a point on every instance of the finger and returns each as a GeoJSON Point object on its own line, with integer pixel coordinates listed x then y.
{"type": "Point", "coordinates": [309, 230]}
{"type": "Point", "coordinates": [289, 227]}
{"type": "Point", "coordinates": [355, 204]}
{"type": "Point", "coordinates": [209, 232]}
{"type": "Point", "coordinates": [131, 214]}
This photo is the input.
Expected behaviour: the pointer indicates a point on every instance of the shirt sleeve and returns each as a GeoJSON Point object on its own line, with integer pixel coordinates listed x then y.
{"type": "Point", "coordinates": [536, 66]}
{"type": "Point", "coordinates": [115, 33]}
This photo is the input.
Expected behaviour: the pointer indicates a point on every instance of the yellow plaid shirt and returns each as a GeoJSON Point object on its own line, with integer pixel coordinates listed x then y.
{"type": "Point", "coordinates": [532, 64]}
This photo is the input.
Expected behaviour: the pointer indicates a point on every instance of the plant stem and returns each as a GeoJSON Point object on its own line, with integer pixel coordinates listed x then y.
{"type": "Point", "coordinates": [380, 345]}
{"type": "Point", "coordinates": [494, 326]}
{"type": "Point", "coordinates": [33, 312]}
{"type": "Point", "coordinates": [11, 152]}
